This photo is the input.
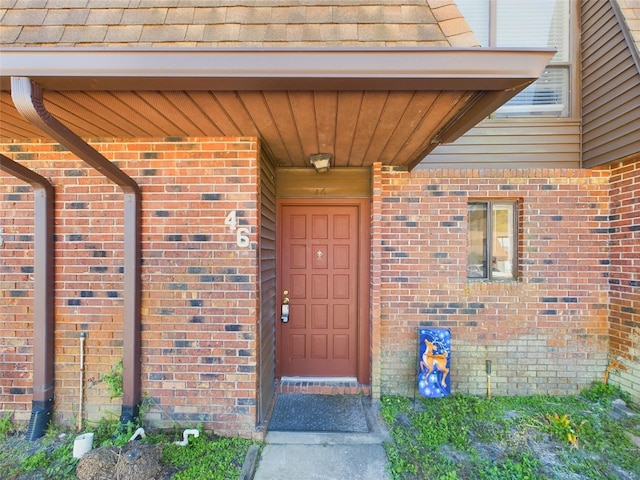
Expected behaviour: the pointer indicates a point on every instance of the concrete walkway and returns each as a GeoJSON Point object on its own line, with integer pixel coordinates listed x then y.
{"type": "Point", "coordinates": [326, 456]}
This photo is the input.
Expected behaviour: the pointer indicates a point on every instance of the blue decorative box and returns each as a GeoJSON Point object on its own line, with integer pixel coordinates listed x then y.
{"type": "Point", "coordinates": [434, 362]}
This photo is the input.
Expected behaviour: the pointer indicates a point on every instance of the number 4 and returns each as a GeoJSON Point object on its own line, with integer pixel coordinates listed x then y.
{"type": "Point", "coordinates": [231, 221]}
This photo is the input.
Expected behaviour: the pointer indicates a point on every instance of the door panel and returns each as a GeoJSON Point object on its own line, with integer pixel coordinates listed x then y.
{"type": "Point", "coordinates": [320, 270]}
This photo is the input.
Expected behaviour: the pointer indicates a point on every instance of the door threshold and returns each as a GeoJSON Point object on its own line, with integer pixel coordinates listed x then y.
{"type": "Point", "coordinates": [323, 386]}
{"type": "Point", "coordinates": [319, 379]}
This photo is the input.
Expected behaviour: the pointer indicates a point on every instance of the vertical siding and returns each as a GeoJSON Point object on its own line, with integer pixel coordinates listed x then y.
{"type": "Point", "coordinates": [267, 285]}
{"type": "Point", "coordinates": [507, 143]}
{"type": "Point", "coordinates": [519, 142]}
{"type": "Point", "coordinates": [610, 87]}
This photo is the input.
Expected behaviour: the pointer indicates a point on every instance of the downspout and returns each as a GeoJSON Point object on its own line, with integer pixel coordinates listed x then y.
{"type": "Point", "coordinates": [28, 99]}
{"type": "Point", "coordinates": [43, 296]}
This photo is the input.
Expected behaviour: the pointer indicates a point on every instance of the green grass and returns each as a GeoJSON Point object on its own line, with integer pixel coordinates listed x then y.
{"type": "Point", "coordinates": [51, 457]}
{"type": "Point", "coordinates": [207, 458]}
{"type": "Point", "coordinates": [511, 438]}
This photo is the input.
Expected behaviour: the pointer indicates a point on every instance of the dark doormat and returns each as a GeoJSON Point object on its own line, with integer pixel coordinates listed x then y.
{"type": "Point", "coordinates": [295, 412]}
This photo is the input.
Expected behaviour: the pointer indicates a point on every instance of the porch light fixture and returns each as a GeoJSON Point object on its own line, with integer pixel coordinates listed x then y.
{"type": "Point", "coordinates": [321, 162]}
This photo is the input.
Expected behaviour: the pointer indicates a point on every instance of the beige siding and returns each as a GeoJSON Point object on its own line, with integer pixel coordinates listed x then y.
{"type": "Point", "coordinates": [508, 144]}
{"type": "Point", "coordinates": [336, 183]}
{"type": "Point", "coordinates": [610, 87]}
{"type": "Point", "coordinates": [267, 363]}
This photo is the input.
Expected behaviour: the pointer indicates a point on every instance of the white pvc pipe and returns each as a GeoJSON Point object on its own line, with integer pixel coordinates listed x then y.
{"type": "Point", "coordinates": [82, 444]}
{"type": "Point", "coordinates": [185, 436]}
{"type": "Point", "coordinates": [138, 433]}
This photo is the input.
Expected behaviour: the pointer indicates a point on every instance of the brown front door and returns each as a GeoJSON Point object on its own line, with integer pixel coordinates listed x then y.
{"type": "Point", "coordinates": [320, 269]}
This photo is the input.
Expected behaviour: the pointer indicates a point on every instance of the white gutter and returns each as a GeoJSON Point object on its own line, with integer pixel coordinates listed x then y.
{"type": "Point", "coordinates": [275, 69]}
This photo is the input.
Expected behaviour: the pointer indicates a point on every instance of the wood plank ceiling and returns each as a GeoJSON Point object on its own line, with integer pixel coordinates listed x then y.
{"type": "Point", "coordinates": [357, 127]}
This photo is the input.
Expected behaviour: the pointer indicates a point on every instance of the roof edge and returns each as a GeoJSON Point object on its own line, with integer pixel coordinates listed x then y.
{"type": "Point", "coordinates": [235, 69]}
{"type": "Point", "coordinates": [626, 32]}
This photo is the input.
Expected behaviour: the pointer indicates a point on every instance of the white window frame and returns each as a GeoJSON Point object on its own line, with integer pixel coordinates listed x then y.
{"type": "Point", "coordinates": [570, 66]}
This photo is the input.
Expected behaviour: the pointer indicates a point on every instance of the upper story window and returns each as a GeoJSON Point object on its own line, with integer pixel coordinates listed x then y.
{"type": "Point", "coordinates": [528, 23]}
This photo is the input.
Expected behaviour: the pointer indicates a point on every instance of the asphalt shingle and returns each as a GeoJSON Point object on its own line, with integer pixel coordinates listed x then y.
{"type": "Point", "coordinates": [312, 14]}
{"type": "Point", "coordinates": [93, 34]}
{"type": "Point", "coordinates": [144, 16]}
{"type": "Point", "coordinates": [66, 4]}
{"type": "Point", "coordinates": [163, 33]}
{"type": "Point", "coordinates": [30, 4]}
{"type": "Point", "coordinates": [108, 4]}
{"type": "Point", "coordinates": [184, 16]}
{"type": "Point", "coordinates": [209, 16]}
{"type": "Point", "coordinates": [9, 34]}
{"type": "Point", "coordinates": [249, 15]}
{"type": "Point", "coordinates": [40, 34]}
{"type": "Point", "coordinates": [32, 16]}
{"type": "Point", "coordinates": [195, 33]}
{"type": "Point", "coordinates": [264, 23]}
{"type": "Point", "coordinates": [123, 34]}
{"type": "Point", "coordinates": [631, 11]}
{"type": "Point", "coordinates": [105, 16]}
{"type": "Point", "coordinates": [66, 17]}
{"type": "Point", "coordinates": [221, 33]}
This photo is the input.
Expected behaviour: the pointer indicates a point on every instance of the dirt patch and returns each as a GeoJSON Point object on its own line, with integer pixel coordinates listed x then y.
{"type": "Point", "coordinates": [134, 461]}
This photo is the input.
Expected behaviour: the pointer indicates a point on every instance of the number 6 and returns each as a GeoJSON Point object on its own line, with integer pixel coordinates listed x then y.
{"type": "Point", "coordinates": [242, 237]}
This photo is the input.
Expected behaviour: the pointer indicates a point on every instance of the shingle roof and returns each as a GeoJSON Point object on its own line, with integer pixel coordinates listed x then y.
{"type": "Point", "coordinates": [631, 11]}
{"type": "Point", "coordinates": [233, 23]}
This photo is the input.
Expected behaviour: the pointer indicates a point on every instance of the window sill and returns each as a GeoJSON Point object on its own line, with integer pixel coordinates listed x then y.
{"type": "Point", "coordinates": [529, 121]}
{"type": "Point", "coordinates": [494, 280]}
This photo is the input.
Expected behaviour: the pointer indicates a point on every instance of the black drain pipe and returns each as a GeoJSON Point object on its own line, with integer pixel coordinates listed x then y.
{"type": "Point", "coordinates": [28, 98]}
{"type": "Point", "coordinates": [43, 295]}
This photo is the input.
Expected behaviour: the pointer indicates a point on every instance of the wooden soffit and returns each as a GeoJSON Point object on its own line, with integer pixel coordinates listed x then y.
{"type": "Point", "coordinates": [362, 106]}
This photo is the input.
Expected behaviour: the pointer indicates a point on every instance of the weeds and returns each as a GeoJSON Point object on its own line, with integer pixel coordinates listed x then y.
{"type": "Point", "coordinates": [521, 466]}
{"type": "Point", "coordinates": [603, 393]}
{"type": "Point", "coordinates": [6, 426]}
{"type": "Point", "coordinates": [511, 438]}
{"type": "Point", "coordinates": [563, 428]}
{"type": "Point", "coordinates": [113, 379]}
{"type": "Point", "coordinates": [50, 457]}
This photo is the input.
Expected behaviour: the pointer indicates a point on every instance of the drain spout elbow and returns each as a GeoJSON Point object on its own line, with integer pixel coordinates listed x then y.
{"type": "Point", "coordinates": [29, 101]}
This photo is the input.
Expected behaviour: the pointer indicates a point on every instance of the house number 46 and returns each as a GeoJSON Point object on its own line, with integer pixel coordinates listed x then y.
{"type": "Point", "coordinates": [242, 233]}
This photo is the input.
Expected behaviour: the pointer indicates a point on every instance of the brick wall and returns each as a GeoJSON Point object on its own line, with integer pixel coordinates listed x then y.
{"type": "Point", "coordinates": [376, 274]}
{"type": "Point", "coordinates": [199, 288]}
{"type": "Point", "coordinates": [547, 332]}
{"type": "Point", "coordinates": [624, 312]}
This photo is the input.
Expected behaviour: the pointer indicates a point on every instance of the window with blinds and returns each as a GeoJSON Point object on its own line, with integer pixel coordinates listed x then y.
{"type": "Point", "coordinates": [526, 23]}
